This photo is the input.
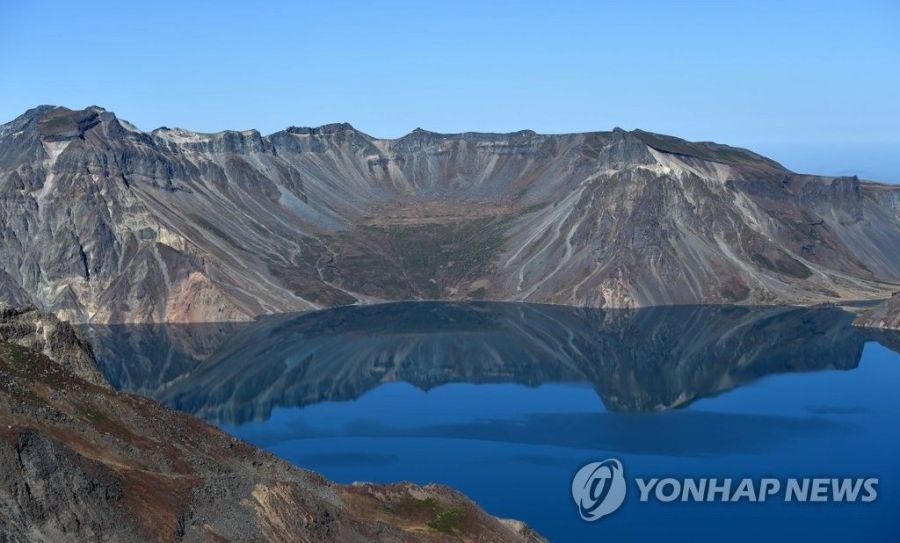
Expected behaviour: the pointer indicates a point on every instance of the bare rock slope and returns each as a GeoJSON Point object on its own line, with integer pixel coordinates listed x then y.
{"type": "Point", "coordinates": [102, 222]}
{"type": "Point", "coordinates": [884, 315]}
{"type": "Point", "coordinates": [81, 462]}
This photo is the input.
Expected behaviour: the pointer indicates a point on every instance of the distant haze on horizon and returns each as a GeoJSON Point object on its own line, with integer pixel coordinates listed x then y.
{"type": "Point", "coordinates": [810, 84]}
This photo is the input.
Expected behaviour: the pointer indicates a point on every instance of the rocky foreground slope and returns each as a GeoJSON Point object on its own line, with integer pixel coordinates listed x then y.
{"type": "Point", "coordinates": [102, 222]}
{"type": "Point", "coordinates": [80, 462]}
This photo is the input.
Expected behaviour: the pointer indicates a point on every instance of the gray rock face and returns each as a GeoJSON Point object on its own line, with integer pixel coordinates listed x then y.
{"type": "Point", "coordinates": [104, 223]}
{"type": "Point", "coordinates": [885, 315]}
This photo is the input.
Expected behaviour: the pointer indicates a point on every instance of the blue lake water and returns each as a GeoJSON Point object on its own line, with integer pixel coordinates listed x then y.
{"type": "Point", "coordinates": [505, 402]}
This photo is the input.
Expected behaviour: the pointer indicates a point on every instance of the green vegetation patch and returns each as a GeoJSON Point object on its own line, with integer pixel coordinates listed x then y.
{"type": "Point", "coordinates": [18, 373]}
{"type": "Point", "coordinates": [403, 261]}
{"type": "Point", "coordinates": [91, 413]}
{"type": "Point", "coordinates": [447, 520]}
{"type": "Point", "coordinates": [17, 362]}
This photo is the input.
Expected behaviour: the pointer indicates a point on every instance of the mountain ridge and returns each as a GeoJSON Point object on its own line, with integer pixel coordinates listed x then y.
{"type": "Point", "coordinates": [37, 110]}
{"type": "Point", "coordinates": [107, 223]}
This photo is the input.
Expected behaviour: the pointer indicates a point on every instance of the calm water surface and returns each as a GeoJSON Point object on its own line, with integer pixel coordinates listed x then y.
{"type": "Point", "coordinates": [506, 401]}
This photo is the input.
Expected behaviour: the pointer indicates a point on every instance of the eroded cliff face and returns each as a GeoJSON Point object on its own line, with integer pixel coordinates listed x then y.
{"type": "Point", "coordinates": [81, 462]}
{"type": "Point", "coordinates": [105, 223]}
{"type": "Point", "coordinates": [885, 315]}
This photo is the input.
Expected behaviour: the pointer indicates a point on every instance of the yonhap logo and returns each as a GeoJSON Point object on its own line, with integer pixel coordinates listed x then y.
{"type": "Point", "coordinates": [599, 489]}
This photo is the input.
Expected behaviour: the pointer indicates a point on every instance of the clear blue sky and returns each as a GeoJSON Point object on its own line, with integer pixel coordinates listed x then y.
{"type": "Point", "coordinates": [800, 81]}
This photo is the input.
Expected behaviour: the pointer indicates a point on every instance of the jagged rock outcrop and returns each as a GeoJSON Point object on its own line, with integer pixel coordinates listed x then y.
{"type": "Point", "coordinates": [81, 462]}
{"type": "Point", "coordinates": [884, 315]}
{"type": "Point", "coordinates": [44, 333]}
{"type": "Point", "coordinates": [105, 223]}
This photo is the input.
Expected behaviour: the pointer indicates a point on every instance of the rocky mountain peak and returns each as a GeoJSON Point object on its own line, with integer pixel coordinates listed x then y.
{"type": "Point", "coordinates": [60, 124]}
{"type": "Point", "coordinates": [324, 130]}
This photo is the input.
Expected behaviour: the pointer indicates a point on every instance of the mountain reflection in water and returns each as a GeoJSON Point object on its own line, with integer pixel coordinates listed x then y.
{"type": "Point", "coordinates": [640, 360]}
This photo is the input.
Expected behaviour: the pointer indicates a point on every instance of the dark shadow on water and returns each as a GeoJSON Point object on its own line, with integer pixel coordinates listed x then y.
{"type": "Point", "coordinates": [836, 410]}
{"type": "Point", "coordinates": [675, 433]}
{"type": "Point", "coordinates": [679, 433]}
{"type": "Point", "coordinates": [349, 459]}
